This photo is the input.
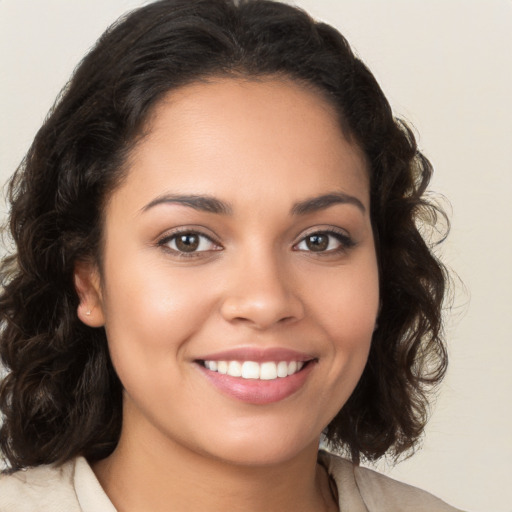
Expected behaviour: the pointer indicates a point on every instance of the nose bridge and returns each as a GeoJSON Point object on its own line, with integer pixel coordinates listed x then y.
{"type": "Point", "coordinates": [260, 290]}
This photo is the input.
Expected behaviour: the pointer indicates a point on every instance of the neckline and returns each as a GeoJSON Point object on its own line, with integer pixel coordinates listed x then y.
{"type": "Point", "coordinates": [91, 496]}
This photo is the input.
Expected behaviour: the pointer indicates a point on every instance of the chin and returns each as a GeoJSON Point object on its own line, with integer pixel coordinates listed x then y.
{"type": "Point", "coordinates": [263, 449]}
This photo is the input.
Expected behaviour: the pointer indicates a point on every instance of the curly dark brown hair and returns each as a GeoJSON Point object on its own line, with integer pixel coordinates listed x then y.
{"type": "Point", "coordinates": [60, 396]}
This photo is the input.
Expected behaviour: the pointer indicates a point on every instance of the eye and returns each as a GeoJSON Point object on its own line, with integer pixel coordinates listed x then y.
{"type": "Point", "coordinates": [188, 243]}
{"type": "Point", "coordinates": [325, 241]}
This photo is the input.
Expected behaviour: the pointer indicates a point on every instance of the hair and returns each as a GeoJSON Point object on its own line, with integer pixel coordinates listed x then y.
{"type": "Point", "coordinates": [60, 396]}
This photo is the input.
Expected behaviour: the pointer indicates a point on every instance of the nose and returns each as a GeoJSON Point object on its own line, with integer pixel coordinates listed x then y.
{"type": "Point", "coordinates": [261, 293]}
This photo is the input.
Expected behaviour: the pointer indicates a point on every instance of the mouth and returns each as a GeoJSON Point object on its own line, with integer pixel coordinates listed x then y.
{"type": "Point", "coordinates": [253, 370]}
{"type": "Point", "coordinates": [257, 382]}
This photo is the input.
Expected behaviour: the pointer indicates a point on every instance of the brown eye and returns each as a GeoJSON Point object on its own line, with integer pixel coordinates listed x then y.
{"type": "Point", "coordinates": [317, 242]}
{"type": "Point", "coordinates": [187, 242]}
{"type": "Point", "coordinates": [328, 242]}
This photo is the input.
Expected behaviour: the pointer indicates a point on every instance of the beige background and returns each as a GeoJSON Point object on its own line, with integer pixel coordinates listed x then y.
{"type": "Point", "coordinates": [446, 66]}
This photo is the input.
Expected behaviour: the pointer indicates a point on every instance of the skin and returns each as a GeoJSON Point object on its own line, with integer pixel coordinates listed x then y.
{"type": "Point", "coordinates": [260, 147]}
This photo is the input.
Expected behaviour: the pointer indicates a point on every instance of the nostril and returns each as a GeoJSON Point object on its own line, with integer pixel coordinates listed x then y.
{"type": "Point", "coordinates": [286, 319]}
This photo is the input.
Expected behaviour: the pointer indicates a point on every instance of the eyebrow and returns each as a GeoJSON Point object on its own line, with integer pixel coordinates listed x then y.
{"type": "Point", "coordinates": [212, 205]}
{"type": "Point", "coordinates": [324, 201]}
{"type": "Point", "coordinates": [197, 202]}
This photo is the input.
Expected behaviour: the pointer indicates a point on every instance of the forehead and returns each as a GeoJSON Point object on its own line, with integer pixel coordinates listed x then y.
{"type": "Point", "coordinates": [263, 138]}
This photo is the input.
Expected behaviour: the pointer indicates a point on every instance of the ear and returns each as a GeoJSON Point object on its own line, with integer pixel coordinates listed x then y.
{"type": "Point", "coordinates": [88, 287]}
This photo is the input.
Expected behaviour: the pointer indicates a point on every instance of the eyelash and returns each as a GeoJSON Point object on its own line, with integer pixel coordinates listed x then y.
{"type": "Point", "coordinates": [166, 240]}
{"type": "Point", "coordinates": [344, 240]}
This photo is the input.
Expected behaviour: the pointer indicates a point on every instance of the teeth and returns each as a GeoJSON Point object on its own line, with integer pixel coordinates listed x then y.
{"type": "Point", "coordinates": [235, 369]}
{"type": "Point", "coordinates": [268, 371]}
{"type": "Point", "coordinates": [282, 369]}
{"type": "Point", "coordinates": [251, 370]}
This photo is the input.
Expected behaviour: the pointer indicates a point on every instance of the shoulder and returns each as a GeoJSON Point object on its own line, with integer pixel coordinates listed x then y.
{"type": "Point", "coordinates": [397, 495]}
{"type": "Point", "coordinates": [378, 492]}
{"type": "Point", "coordinates": [39, 489]}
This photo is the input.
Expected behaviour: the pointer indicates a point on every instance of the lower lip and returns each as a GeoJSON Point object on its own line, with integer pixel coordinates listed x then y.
{"type": "Point", "coordinates": [256, 391]}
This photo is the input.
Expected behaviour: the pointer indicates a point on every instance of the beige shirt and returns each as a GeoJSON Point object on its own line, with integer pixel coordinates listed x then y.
{"type": "Point", "coordinates": [73, 487]}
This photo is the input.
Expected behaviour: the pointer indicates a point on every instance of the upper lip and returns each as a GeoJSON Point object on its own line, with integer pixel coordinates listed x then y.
{"type": "Point", "coordinates": [258, 355]}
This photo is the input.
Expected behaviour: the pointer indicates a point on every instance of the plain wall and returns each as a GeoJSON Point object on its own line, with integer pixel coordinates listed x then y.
{"type": "Point", "coordinates": [446, 66]}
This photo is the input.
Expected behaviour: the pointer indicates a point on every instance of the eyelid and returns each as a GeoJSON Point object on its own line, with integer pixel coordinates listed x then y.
{"type": "Point", "coordinates": [344, 238]}
{"type": "Point", "coordinates": [164, 239]}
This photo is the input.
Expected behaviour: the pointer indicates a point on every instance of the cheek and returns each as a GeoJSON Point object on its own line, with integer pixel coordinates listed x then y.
{"type": "Point", "coordinates": [346, 304]}
{"type": "Point", "coordinates": [348, 300]}
{"type": "Point", "coordinates": [150, 311]}
{"type": "Point", "coordinates": [149, 320]}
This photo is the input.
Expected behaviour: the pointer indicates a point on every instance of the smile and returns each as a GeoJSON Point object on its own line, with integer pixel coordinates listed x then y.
{"type": "Point", "coordinates": [268, 370]}
{"type": "Point", "coordinates": [257, 383]}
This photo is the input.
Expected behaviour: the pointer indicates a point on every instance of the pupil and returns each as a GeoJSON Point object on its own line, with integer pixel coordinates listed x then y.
{"type": "Point", "coordinates": [187, 242]}
{"type": "Point", "coordinates": [317, 242]}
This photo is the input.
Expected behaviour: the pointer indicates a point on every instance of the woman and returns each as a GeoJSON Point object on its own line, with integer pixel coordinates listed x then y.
{"type": "Point", "coordinates": [217, 263]}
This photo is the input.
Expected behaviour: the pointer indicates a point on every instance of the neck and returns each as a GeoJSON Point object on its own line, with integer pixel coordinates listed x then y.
{"type": "Point", "coordinates": [155, 474]}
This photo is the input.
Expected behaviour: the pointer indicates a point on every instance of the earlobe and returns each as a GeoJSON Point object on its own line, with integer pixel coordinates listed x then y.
{"type": "Point", "coordinates": [87, 285]}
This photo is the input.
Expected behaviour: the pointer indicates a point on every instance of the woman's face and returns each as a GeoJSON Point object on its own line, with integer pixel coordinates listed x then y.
{"type": "Point", "coordinates": [240, 242]}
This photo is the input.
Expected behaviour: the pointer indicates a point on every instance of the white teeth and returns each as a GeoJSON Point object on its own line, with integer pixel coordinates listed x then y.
{"type": "Point", "coordinates": [282, 369]}
{"type": "Point", "coordinates": [250, 370]}
{"type": "Point", "coordinates": [234, 369]}
{"type": "Point", "coordinates": [292, 367]}
{"type": "Point", "coordinates": [268, 370]}
{"type": "Point", "coordinates": [222, 367]}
